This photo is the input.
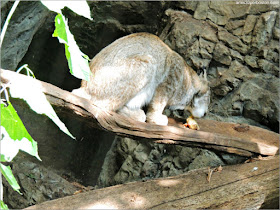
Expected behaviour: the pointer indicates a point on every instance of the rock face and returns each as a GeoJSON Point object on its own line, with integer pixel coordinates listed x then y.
{"type": "Point", "coordinates": [38, 184]}
{"type": "Point", "coordinates": [239, 54]}
{"type": "Point", "coordinates": [237, 43]}
{"type": "Point", "coordinates": [129, 160]}
{"type": "Point", "coordinates": [21, 31]}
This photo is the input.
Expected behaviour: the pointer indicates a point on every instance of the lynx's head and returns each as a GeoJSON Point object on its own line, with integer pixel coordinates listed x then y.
{"type": "Point", "coordinates": [201, 100]}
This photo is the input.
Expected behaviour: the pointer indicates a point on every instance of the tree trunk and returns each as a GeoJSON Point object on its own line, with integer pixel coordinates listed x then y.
{"type": "Point", "coordinates": [246, 186]}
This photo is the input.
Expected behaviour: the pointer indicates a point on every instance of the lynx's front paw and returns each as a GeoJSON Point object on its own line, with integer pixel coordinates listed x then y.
{"type": "Point", "coordinates": [158, 119]}
{"type": "Point", "coordinates": [137, 114]}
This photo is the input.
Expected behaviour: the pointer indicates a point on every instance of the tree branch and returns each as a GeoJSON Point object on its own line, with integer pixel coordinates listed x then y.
{"type": "Point", "coordinates": [216, 135]}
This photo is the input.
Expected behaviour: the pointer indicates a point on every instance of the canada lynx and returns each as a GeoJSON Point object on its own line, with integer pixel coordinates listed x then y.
{"type": "Point", "coordinates": [140, 69]}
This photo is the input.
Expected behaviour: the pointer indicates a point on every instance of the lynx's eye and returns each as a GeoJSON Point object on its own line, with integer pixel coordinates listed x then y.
{"type": "Point", "coordinates": [199, 105]}
{"type": "Point", "coordinates": [198, 94]}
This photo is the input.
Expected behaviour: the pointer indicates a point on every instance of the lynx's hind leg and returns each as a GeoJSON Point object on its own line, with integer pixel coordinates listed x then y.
{"type": "Point", "coordinates": [136, 114]}
{"type": "Point", "coordinates": [126, 82]}
{"type": "Point", "coordinates": [81, 92]}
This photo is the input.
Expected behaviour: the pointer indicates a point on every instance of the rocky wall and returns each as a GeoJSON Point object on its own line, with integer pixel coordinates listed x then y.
{"type": "Point", "coordinates": [239, 45]}
{"type": "Point", "coordinates": [129, 160]}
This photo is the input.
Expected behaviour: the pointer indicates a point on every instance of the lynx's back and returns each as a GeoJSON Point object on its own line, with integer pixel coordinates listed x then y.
{"type": "Point", "coordinates": [127, 47]}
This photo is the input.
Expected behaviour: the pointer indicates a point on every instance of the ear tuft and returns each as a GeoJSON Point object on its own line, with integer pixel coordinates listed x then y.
{"type": "Point", "coordinates": [205, 74]}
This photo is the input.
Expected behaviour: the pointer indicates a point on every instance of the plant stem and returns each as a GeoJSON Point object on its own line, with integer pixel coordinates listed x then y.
{"type": "Point", "coordinates": [7, 21]}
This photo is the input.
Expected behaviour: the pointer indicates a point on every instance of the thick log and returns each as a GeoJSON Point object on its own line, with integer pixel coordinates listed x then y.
{"type": "Point", "coordinates": [246, 186]}
{"type": "Point", "coordinates": [227, 137]}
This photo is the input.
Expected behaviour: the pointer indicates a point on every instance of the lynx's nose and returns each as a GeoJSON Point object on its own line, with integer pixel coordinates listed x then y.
{"type": "Point", "coordinates": [199, 112]}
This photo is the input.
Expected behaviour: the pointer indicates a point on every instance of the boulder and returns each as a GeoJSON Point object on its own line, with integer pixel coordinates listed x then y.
{"type": "Point", "coordinates": [255, 99]}
{"type": "Point", "coordinates": [249, 24]}
{"type": "Point", "coordinates": [222, 54]}
{"type": "Point", "coordinates": [236, 55]}
{"type": "Point", "coordinates": [234, 24]}
{"type": "Point", "coordinates": [251, 61]}
{"type": "Point", "coordinates": [268, 67]}
{"type": "Point", "coordinates": [233, 41]}
{"type": "Point", "coordinates": [38, 184]}
{"type": "Point", "coordinates": [185, 40]}
{"type": "Point", "coordinates": [263, 30]}
{"type": "Point", "coordinates": [260, 98]}
{"type": "Point", "coordinates": [219, 12]}
{"type": "Point", "coordinates": [201, 10]}
{"type": "Point", "coordinates": [25, 22]}
{"type": "Point", "coordinates": [186, 5]}
{"type": "Point", "coordinates": [206, 159]}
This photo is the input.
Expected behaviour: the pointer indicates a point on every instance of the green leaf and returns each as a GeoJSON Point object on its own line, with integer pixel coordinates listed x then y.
{"type": "Point", "coordinates": [12, 123]}
{"type": "Point", "coordinates": [36, 99]}
{"type": "Point", "coordinates": [77, 61]}
{"type": "Point", "coordinates": [79, 7]}
{"type": "Point", "coordinates": [14, 135]}
{"type": "Point", "coordinates": [3, 205]}
{"type": "Point", "coordinates": [8, 174]}
{"type": "Point", "coordinates": [60, 31]}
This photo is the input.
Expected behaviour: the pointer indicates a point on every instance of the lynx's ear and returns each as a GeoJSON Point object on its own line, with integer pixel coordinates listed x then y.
{"type": "Point", "coordinates": [203, 74]}
{"type": "Point", "coordinates": [204, 84]}
{"type": "Point", "coordinates": [203, 88]}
